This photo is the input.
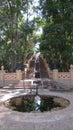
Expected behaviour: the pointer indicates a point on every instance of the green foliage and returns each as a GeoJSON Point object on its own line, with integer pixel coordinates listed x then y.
{"type": "Point", "coordinates": [16, 33]}
{"type": "Point", "coordinates": [57, 38]}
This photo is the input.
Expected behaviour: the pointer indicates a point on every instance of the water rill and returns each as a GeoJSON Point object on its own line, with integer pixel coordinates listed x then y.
{"type": "Point", "coordinates": [37, 99]}
{"type": "Point", "coordinates": [37, 66]}
{"type": "Point", "coordinates": [37, 103]}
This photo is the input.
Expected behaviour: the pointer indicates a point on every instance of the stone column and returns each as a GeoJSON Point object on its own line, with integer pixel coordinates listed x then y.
{"type": "Point", "coordinates": [71, 71]}
{"type": "Point", "coordinates": [55, 74]}
{"type": "Point", "coordinates": [19, 74]}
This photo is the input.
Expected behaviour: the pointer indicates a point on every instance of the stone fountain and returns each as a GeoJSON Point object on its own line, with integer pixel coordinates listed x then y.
{"type": "Point", "coordinates": [37, 66]}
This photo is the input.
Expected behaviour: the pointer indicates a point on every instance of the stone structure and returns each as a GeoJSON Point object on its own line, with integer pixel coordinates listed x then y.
{"type": "Point", "coordinates": [62, 75]}
{"type": "Point", "coordinates": [55, 75]}
{"type": "Point", "coordinates": [10, 76]}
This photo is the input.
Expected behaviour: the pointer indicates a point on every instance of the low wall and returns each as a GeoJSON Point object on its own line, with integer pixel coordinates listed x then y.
{"type": "Point", "coordinates": [63, 77]}
{"type": "Point", "coordinates": [7, 78]}
{"type": "Point", "coordinates": [10, 76]}
{"type": "Point", "coordinates": [67, 82]}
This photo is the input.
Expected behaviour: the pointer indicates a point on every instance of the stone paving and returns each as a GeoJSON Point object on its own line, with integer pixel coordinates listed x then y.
{"type": "Point", "coordinates": [57, 120]}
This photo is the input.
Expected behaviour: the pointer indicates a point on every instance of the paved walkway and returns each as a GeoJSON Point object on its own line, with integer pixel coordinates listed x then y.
{"type": "Point", "coordinates": [57, 120]}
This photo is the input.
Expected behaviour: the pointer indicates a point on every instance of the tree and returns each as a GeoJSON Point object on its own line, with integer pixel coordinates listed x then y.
{"type": "Point", "coordinates": [16, 32]}
{"type": "Point", "coordinates": [57, 38]}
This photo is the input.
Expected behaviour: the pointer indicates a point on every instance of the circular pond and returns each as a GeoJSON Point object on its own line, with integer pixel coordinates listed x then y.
{"type": "Point", "coordinates": [40, 103]}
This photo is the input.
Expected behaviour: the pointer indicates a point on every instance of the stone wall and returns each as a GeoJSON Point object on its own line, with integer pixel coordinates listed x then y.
{"type": "Point", "coordinates": [10, 76]}
{"type": "Point", "coordinates": [63, 77]}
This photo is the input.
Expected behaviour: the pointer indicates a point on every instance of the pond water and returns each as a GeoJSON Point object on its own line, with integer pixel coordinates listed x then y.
{"type": "Point", "coordinates": [40, 103]}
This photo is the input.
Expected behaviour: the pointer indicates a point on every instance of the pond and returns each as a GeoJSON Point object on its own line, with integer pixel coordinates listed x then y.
{"type": "Point", "coordinates": [40, 103]}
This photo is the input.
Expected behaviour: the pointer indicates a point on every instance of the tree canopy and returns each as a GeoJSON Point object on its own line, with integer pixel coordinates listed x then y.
{"type": "Point", "coordinates": [18, 32]}
{"type": "Point", "coordinates": [57, 39]}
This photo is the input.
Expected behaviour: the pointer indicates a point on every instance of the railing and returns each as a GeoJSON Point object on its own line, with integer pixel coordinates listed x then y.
{"type": "Point", "coordinates": [10, 76]}
{"type": "Point", "coordinates": [55, 75]}
{"type": "Point", "coordinates": [64, 75]}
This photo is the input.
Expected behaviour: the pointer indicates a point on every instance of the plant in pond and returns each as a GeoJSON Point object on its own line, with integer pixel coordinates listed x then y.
{"type": "Point", "coordinates": [45, 104]}
{"type": "Point", "coordinates": [26, 105]}
{"type": "Point", "coordinates": [48, 103]}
